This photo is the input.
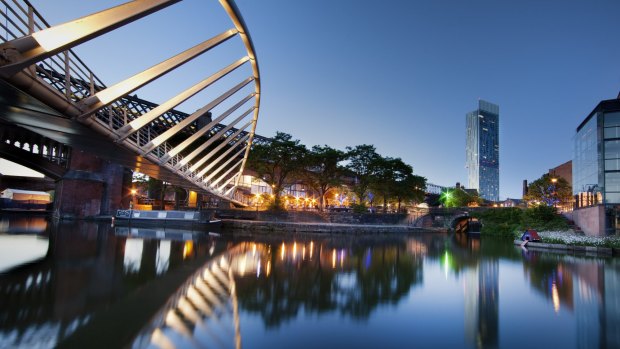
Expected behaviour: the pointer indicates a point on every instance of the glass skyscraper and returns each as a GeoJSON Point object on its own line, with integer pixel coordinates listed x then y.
{"type": "Point", "coordinates": [482, 150]}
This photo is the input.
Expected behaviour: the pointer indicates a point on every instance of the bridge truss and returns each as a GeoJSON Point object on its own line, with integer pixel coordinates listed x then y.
{"type": "Point", "coordinates": [207, 151]}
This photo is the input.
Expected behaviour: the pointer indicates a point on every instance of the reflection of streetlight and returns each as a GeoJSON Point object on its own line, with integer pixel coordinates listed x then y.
{"type": "Point", "coordinates": [256, 199]}
{"type": "Point", "coordinates": [133, 198]}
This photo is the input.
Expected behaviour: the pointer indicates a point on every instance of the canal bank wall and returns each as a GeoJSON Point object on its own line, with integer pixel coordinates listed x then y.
{"type": "Point", "coordinates": [319, 217]}
{"type": "Point", "coordinates": [281, 227]}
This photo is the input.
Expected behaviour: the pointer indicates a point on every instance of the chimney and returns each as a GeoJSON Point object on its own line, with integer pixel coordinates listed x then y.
{"type": "Point", "coordinates": [524, 187]}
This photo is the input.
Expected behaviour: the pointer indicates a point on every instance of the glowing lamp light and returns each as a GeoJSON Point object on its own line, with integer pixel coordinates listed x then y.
{"type": "Point", "coordinates": [188, 249]}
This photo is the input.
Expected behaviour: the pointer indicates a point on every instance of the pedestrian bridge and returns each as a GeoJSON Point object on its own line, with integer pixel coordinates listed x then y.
{"type": "Point", "coordinates": [455, 218]}
{"type": "Point", "coordinates": [57, 114]}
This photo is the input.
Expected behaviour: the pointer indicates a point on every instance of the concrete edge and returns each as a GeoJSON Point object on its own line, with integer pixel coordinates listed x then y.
{"type": "Point", "coordinates": [607, 251]}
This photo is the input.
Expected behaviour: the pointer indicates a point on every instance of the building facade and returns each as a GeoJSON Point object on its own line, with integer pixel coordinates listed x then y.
{"type": "Point", "coordinates": [482, 150]}
{"type": "Point", "coordinates": [596, 170]}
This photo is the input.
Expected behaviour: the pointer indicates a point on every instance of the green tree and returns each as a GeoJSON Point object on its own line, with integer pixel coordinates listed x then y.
{"type": "Point", "coordinates": [383, 178]}
{"type": "Point", "coordinates": [393, 180]}
{"type": "Point", "coordinates": [362, 159]}
{"type": "Point", "coordinates": [278, 163]}
{"type": "Point", "coordinates": [323, 170]}
{"type": "Point", "coordinates": [549, 190]}
{"type": "Point", "coordinates": [410, 188]}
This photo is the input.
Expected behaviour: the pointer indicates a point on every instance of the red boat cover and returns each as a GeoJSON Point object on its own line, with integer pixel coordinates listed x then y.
{"type": "Point", "coordinates": [531, 235]}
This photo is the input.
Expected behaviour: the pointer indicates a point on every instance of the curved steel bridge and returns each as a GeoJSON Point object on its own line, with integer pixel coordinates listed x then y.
{"type": "Point", "coordinates": [49, 90]}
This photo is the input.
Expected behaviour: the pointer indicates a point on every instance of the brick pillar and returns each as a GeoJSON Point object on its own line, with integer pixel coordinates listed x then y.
{"type": "Point", "coordinates": [91, 187]}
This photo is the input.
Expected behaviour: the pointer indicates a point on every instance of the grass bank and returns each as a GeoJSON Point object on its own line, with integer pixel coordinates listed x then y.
{"type": "Point", "coordinates": [512, 221]}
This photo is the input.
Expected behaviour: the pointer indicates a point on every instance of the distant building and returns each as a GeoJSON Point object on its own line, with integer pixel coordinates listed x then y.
{"type": "Point", "coordinates": [596, 170]}
{"type": "Point", "coordinates": [482, 150]}
{"type": "Point", "coordinates": [512, 203]}
{"type": "Point", "coordinates": [565, 171]}
{"type": "Point", "coordinates": [25, 195]}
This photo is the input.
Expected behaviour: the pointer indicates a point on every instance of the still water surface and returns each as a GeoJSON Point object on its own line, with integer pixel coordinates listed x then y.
{"type": "Point", "coordinates": [85, 285]}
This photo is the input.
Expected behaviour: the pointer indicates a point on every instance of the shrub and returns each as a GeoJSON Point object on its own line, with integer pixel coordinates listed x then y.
{"type": "Point", "coordinates": [359, 208]}
{"type": "Point", "coordinates": [276, 204]}
{"type": "Point", "coordinates": [501, 221]}
{"type": "Point", "coordinates": [543, 218]}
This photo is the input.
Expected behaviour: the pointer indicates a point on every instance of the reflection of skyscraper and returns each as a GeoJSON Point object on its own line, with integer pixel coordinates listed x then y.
{"type": "Point", "coordinates": [586, 305]}
{"type": "Point", "coordinates": [482, 150]}
{"type": "Point", "coordinates": [470, 291]}
{"type": "Point", "coordinates": [488, 303]}
{"type": "Point", "coordinates": [611, 306]}
{"type": "Point", "coordinates": [482, 304]}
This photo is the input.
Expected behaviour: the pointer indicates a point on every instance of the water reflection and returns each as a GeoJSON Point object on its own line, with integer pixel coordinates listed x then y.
{"type": "Point", "coordinates": [88, 280]}
{"type": "Point", "coordinates": [589, 288]}
{"type": "Point", "coordinates": [164, 288]}
{"type": "Point", "coordinates": [289, 281]}
{"type": "Point", "coordinates": [348, 277]}
{"type": "Point", "coordinates": [20, 224]}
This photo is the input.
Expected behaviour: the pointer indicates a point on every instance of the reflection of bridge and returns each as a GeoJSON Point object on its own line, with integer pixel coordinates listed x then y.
{"type": "Point", "coordinates": [202, 313]}
{"type": "Point", "coordinates": [59, 118]}
{"type": "Point", "coordinates": [91, 278]}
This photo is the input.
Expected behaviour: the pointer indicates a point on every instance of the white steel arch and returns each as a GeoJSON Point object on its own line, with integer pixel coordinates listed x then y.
{"type": "Point", "coordinates": [38, 59]}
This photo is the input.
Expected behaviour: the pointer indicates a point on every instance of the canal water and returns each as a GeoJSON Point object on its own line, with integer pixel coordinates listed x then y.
{"type": "Point", "coordinates": [92, 285]}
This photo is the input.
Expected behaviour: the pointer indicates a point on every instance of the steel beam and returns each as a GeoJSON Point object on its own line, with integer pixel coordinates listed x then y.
{"type": "Point", "coordinates": [214, 138]}
{"type": "Point", "coordinates": [22, 52]}
{"type": "Point", "coordinates": [195, 166]}
{"type": "Point", "coordinates": [185, 122]}
{"type": "Point", "coordinates": [191, 139]}
{"type": "Point", "coordinates": [252, 133]}
{"type": "Point", "coordinates": [216, 161]}
{"type": "Point", "coordinates": [229, 191]}
{"type": "Point", "coordinates": [233, 167]}
{"type": "Point", "coordinates": [113, 93]}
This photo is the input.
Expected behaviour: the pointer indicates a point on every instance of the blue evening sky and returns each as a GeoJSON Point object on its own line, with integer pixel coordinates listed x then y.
{"type": "Point", "coordinates": [400, 75]}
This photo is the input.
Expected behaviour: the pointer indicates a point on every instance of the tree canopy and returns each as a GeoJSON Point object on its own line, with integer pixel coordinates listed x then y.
{"type": "Point", "coordinates": [278, 163]}
{"type": "Point", "coordinates": [394, 180]}
{"type": "Point", "coordinates": [362, 162]}
{"type": "Point", "coordinates": [549, 190]}
{"type": "Point", "coordinates": [323, 170]}
{"type": "Point", "coordinates": [284, 162]}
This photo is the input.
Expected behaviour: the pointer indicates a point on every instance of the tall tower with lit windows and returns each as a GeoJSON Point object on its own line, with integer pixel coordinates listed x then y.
{"type": "Point", "coordinates": [482, 150]}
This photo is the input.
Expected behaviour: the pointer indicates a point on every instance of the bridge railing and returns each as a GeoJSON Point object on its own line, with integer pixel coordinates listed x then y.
{"type": "Point", "coordinates": [65, 73]}
{"type": "Point", "coordinates": [19, 19]}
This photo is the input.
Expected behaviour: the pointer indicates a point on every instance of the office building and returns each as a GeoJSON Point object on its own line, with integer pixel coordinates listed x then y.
{"type": "Point", "coordinates": [596, 170]}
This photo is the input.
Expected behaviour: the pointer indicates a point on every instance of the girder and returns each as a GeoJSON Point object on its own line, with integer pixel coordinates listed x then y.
{"type": "Point", "coordinates": [110, 94]}
{"type": "Point", "coordinates": [38, 59]}
{"type": "Point", "coordinates": [214, 138]}
{"type": "Point", "coordinates": [199, 163]}
{"type": "Point", "coordinates": [216, 161]}
{"type": "Point", "coordinates": [186, 122]}
{"type": "Point", "coordinates": [24, 51]}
